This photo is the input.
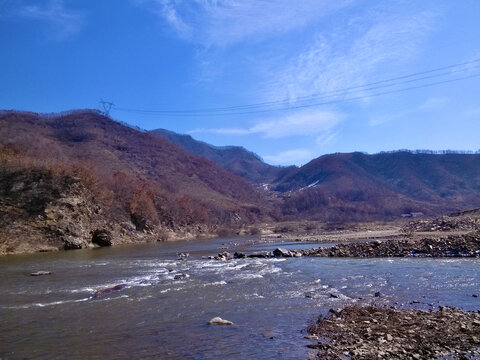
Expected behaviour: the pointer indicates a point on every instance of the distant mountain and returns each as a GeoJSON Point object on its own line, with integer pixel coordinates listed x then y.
{"type": "Point", "coordinates": [134, 176]}
{"type": "Point", "coordinates": [235, 159]}
{"type": "Point", "coordinates": [356, 186]}
{"type": "Point", "coordinates": [73, 178]}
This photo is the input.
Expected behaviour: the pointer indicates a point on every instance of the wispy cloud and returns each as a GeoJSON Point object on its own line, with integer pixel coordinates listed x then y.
{"type": "Point", "coordinates": [434, 103]}
{"type": "Point", "coordinates": [64, 22]}
{"type": "Point", "coordinates": [305, 123]}
{"type": "Point", "coordinates": [223, 22]}
{"type": "Point", "coordinates": [326, 138]}
{"type": "Point", "coordinates": [430, 105]}
{"type": "Point", "coordinates": [294, 156]}
{"type": "Point", "coordinates": [352, 56]}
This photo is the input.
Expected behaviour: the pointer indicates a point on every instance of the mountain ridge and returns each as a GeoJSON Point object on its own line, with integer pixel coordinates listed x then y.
{"type": "Point", "coordinates": [235, 159]}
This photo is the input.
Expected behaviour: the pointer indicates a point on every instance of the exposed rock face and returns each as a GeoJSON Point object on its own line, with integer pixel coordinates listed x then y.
{"type": "Point", "coordinates": [373, 332]}
{"type": "Point", "coordinates": [40, 211]}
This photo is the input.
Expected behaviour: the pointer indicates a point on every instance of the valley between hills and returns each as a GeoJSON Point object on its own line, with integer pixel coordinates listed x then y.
{"type": "Point", "coordinates": [80, 179]}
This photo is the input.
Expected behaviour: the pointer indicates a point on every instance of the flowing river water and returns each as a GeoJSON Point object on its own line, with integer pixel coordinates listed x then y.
{"type": "Point", "coordinates": [163, 309]}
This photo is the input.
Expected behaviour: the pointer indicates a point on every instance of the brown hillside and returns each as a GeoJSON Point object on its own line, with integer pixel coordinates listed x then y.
{"type": "Point", "coordinates": [357, 186]}
{"type": "Point", "coordinates": [135, 175]}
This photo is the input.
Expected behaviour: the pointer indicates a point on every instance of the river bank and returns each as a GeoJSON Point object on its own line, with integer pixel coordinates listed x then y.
{"type": "Point", "coordinates": [444, 247]}
{"type": "Point", "coordinates": [373, 332]}
{"type": "Point", "coordinates": [451, 246]}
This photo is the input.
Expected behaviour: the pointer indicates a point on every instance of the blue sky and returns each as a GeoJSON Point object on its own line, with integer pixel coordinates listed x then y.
{"type": "Point", "coordinates": [311, 73]}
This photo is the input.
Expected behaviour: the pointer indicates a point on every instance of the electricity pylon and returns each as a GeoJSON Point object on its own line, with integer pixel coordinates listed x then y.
{"type": "Point", "coordinates": [107, 106]}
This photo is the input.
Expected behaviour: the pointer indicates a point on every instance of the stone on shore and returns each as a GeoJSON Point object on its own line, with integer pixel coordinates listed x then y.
{"type": "Point", "coordinates": [372, 332]}
{"type": "Point", "coordinates": [219, 321]}
{"type": "Point", "coordinates": [102, 238]}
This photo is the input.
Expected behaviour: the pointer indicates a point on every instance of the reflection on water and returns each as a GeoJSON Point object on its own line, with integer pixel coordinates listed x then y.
{"type": "Point", "coordinates": [163, 309]}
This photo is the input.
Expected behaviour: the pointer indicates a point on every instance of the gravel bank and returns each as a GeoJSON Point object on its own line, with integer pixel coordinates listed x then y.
{"type": "Point", "coordinates": [373, 332]}
{"type": "Point", "coordinates": [451, 246]}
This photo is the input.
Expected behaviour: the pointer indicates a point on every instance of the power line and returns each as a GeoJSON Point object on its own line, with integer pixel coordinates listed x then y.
{"type": "Point", "coordinates": [321, 103]}
{"type": "Point", "coordinates": [253, 106]}
{"type": "Point", "coordinates": [300, 102]}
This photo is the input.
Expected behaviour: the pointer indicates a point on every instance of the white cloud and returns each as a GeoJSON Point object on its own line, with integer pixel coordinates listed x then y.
{"type": "Point", "coordinates": [304, 123]}
{"type": "Point", "coordinates": [352, 56]}
{"type": "Point", "coordinates": [64, 22]}
{"type": "Point", "coordinates": [223, 22]}
{"type": "Point", "coordinates": [294, 156]}
{"type": "Point", "coordinates": [326, 138]}
{"type": "Point", "coordinates": [434, 103]}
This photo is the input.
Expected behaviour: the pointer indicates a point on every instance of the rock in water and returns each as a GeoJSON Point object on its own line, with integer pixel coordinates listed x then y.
{"type": "Point", "coordinates": [39, 273]}
{"type": "Point", "coordinates": [108, 290]}
{"type": "Point", "coordinates": [180, 276]}
{"type": "Point", "coordinates": [219, 321]}
{"type": "Point", "coordinates": [261, 254]}
{"type": "Point", "coordinates": [239, 255]}
{"type": "Point", "coordinates": [183, 256]}
{"type": "Point", "coordinates": [281, 252]}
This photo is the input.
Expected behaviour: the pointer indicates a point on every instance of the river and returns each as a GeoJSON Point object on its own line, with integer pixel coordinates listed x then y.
{"type": "Point", "coordinates": [163, 310]}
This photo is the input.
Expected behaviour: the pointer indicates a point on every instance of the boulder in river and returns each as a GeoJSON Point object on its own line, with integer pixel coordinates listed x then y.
{"type": "Point", "coordinates": [108, 290]}
{"type": "Point", "coordinates": [225, 255]}
{"type": "Point", "coordinates": [219, 321]}
{"type": "Point", "coordinates": [40, 273]}
{"type": "Point", "coordinates": [183, 256]}
{"type": "Point", "coordinates": [261, 254]}
{"type": "Point", "coordinates": [239, 255]}
{"type": "Point", "coordinates": [280, 252]}
{"type": "Point", "coordinates": [180, 276]}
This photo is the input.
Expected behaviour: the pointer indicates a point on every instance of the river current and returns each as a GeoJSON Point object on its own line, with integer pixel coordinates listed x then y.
{"type": "Point", "coordinates": [163, 309]}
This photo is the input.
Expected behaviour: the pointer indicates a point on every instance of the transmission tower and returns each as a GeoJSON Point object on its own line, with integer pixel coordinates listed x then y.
{"type": "Point", "coordinates": [107, 106]}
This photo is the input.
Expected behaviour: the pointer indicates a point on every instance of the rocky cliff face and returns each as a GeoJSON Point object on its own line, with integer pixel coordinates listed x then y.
{"type": "Point", "coordinates": [43, 212]}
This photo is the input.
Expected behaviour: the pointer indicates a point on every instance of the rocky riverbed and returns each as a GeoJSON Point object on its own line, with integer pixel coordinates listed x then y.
{"type": "Point", "coordinates": [450, 246]}
{"type": "Point", "coordinates": [372, 332]}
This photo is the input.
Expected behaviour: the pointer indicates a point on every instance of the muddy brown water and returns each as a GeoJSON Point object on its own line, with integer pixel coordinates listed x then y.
{"type": "Point", "coordinates": [158, 315]}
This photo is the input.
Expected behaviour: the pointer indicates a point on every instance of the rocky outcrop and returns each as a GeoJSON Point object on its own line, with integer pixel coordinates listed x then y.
{"type": "Point", "coordinates": [373, 332]}
{"type": "Point", "coordinates": [41, 211]}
